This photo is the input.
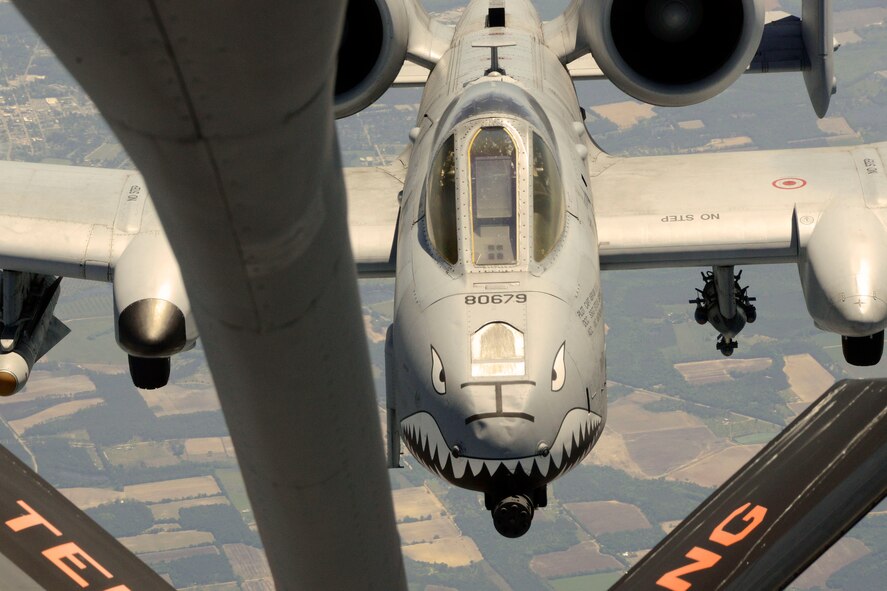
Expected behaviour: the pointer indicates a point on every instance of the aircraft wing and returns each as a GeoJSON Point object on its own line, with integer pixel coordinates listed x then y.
{"type": "Point", "coordinates": [373, 207]}
{"type": "Point", "coordinates": [48, 543]}
{"type": "Point", "coordinates": [76, 221]}
{"type": "Point", "coordinates": [786, 506]}
{"type": "Point", "coordinates": [727, 208]}
{"type": "Point", "coordinates": [65, 220]}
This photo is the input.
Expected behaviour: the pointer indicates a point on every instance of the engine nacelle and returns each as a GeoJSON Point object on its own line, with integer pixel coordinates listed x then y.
{"type": "Point", "coordinates": [152, 314]}
{"type": "Point", "coordinates": [672, 52]}
{"type": "Point", "coordinates": [843, 271]}
{"type": "Point", "coordinates": [372, 51]}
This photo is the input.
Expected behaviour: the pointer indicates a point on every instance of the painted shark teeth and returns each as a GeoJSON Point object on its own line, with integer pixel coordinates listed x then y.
{"type": "Point", "coordinates": [573, 442]}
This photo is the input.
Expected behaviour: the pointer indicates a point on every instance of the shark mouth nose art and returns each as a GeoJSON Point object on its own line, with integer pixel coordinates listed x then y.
{"type": "Point", "coordinates": [574, 440]}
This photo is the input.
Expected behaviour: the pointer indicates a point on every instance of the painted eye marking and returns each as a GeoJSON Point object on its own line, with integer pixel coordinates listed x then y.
{"type": "Point", "coordinates": [559, 370]}
{"type": "Point", "coordinates": [438, 375]}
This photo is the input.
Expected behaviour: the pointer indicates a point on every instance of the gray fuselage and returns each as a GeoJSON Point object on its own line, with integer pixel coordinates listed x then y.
{"type": "Point", "coordinates": [497, 345]}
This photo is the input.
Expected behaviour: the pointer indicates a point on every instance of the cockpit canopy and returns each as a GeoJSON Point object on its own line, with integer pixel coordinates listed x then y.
{"type": "Point", "coordinates": [498, 180]}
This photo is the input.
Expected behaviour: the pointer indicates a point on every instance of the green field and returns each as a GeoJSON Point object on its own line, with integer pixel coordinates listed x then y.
{"type": "Point", "coordinates": [694, 342]}
{"type": "Point", "coordinates": [91, 341]}
{"type": "Point", "coordinates": [755, 438]}
{"type": "Point", "coordinates": [135, 455]}
{"type": "Point", "coordinates": [235, 490]}
{"type": "Point", "coordinates": [598, 582]}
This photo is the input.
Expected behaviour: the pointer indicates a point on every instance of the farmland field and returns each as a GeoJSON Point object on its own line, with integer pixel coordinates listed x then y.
{"type": "Point", "coordinates": [720, 370]}
{"type": "Point", "coordinates": [148, 454]}
{"type": "Point", "coordinates": [161, 542]}
{"type": "Point", "coordinates": [602, 517]}
{"type": "Point", "coordinates": [428, 530]}
{"type": "Point", "coordinates": [42, 384]}
{"type": "Point", "coordinates": [415, 503]}
{"type": "Point", "coordinates": [235, 489]}
{"type": "Point", "coordinates": [807, 378]}
{"type": "Point", "coordinates": [248, 562]}
{"type": "Point", "coordinates": [171, 510]}
{"type": "Point", "coordinates": [599, 582]}
{"type": "Point", "coordinates": [714, 469]}
{"type": "Point", "coordinates": [659, 452]}
{"type": "Point", "coordinates": [87, 498]}
{"type": "Point", "coordinates": [452, 552]}
{"type": "Point", "coordinates": [580, 559]}
{"type": "Point", "coordinates": [176, 400]}
{"type": "Point", "coordinates": [172, 490]}
{"type": "Point", "coordinates": [61, 410]}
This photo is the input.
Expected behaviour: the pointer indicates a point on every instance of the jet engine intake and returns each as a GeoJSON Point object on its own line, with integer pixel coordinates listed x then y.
{"type": "Point", "coordinates": [673, 52]}
{"type": "Point", "coordinates": [372, 50]}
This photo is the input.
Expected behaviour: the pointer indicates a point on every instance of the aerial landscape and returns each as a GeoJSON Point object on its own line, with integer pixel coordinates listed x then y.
{"type": "Point", "coordinates": [157, 467]}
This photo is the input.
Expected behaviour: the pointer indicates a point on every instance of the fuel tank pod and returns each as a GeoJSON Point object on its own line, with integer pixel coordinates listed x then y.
{"type": "Point", "coordinates": [843, 269]}
{"type": "Point", "coordinates": [14, 373]}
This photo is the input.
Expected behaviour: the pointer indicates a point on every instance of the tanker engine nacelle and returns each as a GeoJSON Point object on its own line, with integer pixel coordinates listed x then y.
{"type": "Point", "coordinates": [373, 48]}
{"type": "Point", "coordinates": [672, 52]}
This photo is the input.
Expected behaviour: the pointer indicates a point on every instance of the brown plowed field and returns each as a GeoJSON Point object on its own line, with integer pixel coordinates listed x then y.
{"type": "Point", "coordinates": [807, 378]}
{"type": "Point", "coordinates": [627, 415]}
{"type": "Point", "coordinates": [260, 585]}
{"type": "Point", "coordinates": [209, 448]}
{"type": "Point", "coordinates": [714, 469]}
{"type": "Point", "coordinates": [173, 490]}
{"type": "Point", "coordinates": [416, 503]}
{"type": "Point", "coordinates": [176, 400]}
{"type": "Point", "coordinates": [659, 452]}
{"type": "Point", "coordinates": [452, 552]}
{"type": "Point", "coordinates": [427, 531]}
{"type": "Point", "coordinates": [603, 517]}
{"type": "Point", "coordinates": [248, 563]}
{"type": "Point", "coordinates": [611, 451]}
{"type": "Point", "coordinates": [87, 498]}
{"type": "Point", "coordinates": [171, 540]}
{"type": "Point", "coordinates": [580, 559]}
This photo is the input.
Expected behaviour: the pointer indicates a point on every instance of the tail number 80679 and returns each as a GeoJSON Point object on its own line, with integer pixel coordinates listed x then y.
{"type": "Point", "coordinates": [499, 298]}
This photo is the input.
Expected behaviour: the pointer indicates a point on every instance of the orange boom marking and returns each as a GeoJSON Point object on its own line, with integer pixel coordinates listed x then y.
{"type": "Point", "coordinates": [63, 554]}
{"type": "Point", "coordinates": [704, 559]}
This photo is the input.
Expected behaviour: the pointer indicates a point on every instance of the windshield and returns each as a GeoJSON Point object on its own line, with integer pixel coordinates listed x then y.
{"type": "Point", "coordinates": [440, 204]}
{"type": "Point", "coordinates": [492, 164]}
{"type": "Point", "coordinates": [548, 201]}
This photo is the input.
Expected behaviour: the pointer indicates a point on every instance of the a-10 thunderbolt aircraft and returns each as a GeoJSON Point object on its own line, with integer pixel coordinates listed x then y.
{"type": "Point", "coordinates": [498, 220]}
